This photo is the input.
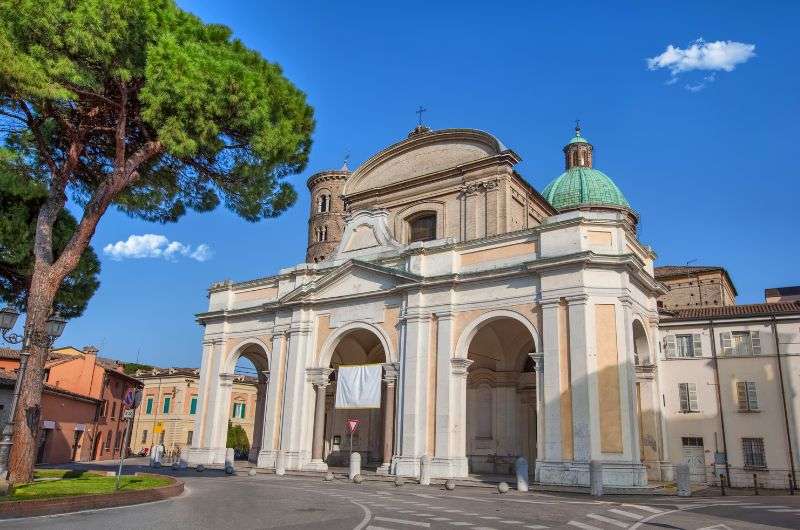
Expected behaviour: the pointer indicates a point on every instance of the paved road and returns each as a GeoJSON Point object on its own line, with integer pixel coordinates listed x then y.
{"type": "Point", "coordinates": [214, 500]}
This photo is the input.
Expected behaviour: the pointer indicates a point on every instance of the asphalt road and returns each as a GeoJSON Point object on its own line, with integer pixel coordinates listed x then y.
{"type": "Point", "coordinates": [214, 500]}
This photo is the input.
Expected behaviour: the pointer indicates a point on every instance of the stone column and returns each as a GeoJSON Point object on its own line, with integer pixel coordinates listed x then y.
{"type": "Point", "coordinates": [459, 367]}
{"type": "Point", "coordinates": [261, 412]}
{"type": "Point", "coordinates": [222, 413]}
{"type": "Point", "coordinates": [538, 359]}
{"type": "Point", "coordinates": [319, 377]}
{"type": "Point", "coordinates": [551, 384]}
{"type": "Point", "coordinates": [205, 423]}
{"type": "Point", "coordinates": [390, 371]}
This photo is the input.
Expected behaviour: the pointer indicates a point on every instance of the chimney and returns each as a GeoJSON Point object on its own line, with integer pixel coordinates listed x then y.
{"type": "Point", "coordinates": [90, 350]}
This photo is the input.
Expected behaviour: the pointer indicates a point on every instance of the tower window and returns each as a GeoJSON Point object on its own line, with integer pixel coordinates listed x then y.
{"type": "Point", "coordinates": [321, 233]}
{"type": "Point", "coordinates": [423, 228]}
{"type": "Point", "coordinates": [323, 203]}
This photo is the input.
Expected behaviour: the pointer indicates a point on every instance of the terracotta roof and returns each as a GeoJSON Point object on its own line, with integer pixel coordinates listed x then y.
{"type": "Point", "coordinates": [186, 372]}
{"type": "Point", "coordinates": [9, 378]}
{"type": "Point", "coordinates": [782, 291]}
{"type": "Point", "coordinates": [54, 359]}
{"type": "Point", "coordinates": [731, 311]}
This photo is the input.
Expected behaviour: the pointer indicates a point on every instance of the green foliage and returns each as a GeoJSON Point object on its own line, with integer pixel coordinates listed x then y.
{"type": "Point", "coordinates": [130, 368]}
{"type": "Point", "coordinates": [20, 201]}
{"type": "Point", "coordinates": [237, 438]}
{"type": "Point", "coordinates": [80, 483]}
{"type": "Point", "coordinates": [229, 125]}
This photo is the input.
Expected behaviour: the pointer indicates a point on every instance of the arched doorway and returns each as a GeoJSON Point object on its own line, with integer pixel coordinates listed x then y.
{"type": "Point", "coordinates": [248, 371]}
{"type": "Point", "coordinates": [641, 347]}
{"type": "Point", "coordinates": [501, 397]}
{"type": "Point", "coordinates": [358, 346]}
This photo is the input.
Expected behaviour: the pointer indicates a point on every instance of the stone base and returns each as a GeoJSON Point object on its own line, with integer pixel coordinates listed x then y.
{"type": "Point", "coordinates": [384, 469]}
{"type": "Point", "coordinates": [659, 470]}
{"type": "Point", "coordinates": [296, 460]}
{"type": "Point", "coordinates": [266, 459]}
{"type": "Point", "coordinates": [406, 466]}
{"type": "Point", "coordinates": [316, 465]}
{"type": "Point", "coordinates": [206, 456]}
{"type": "Point", "coordinates": [615, 474]}
{"type": "Point", "coordinates": [453, 467]}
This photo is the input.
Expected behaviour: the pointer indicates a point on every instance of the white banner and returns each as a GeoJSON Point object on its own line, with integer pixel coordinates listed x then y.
{"type": "Point", "coordinates": [359, 387]}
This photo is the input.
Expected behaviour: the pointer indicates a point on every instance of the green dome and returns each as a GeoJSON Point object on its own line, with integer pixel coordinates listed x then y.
{"type": "Point", "coordinates": [578, 139]}
{"type": "Point", "coordinates": [580, 186]}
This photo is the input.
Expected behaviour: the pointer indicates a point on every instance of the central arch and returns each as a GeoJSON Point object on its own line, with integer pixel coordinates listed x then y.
{"type": "Point", "coordinates": [501, 392]}
{"type": "Point", "coordinates": [248, 394]}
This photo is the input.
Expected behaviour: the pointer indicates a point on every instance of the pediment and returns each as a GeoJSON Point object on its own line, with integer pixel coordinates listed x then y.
{"type": "Point", "coordinates": [352, 279]}
{"type": "Point", "coordinates": [422, 155]}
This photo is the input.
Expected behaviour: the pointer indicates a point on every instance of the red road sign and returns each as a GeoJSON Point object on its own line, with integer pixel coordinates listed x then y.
{"type": "Point", "coordinates": [352, 425]}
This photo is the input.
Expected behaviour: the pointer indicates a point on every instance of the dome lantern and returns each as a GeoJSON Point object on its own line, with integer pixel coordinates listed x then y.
{"type": "Point", "coordinates": [578, 152]}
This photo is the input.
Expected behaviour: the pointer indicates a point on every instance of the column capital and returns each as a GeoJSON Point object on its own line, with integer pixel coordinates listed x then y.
{"type": "Point", "coordinates": [538, 360]}
{"type": "Point", "coordinates": [549, 303]}
{"type": "Point", "coordinates": [390, 372]}
{"type": "Point", "coordinates": [226, 379]}
{"type": "Point", "coordinates": [626, 301]}
{"type": "Point", "coordinates": [213, 341]}
{"type": "Point", "coordinates": [319, 377]}
{"type": "Point", "coordinates": [263, 376]}
{"type": "Point", "coordinates": [459, 366]}
{"type": "Point", "coordinates": [577, 299]}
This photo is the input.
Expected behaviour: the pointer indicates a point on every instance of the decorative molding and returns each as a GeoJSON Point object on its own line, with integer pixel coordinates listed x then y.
{"type": "Point", "coordinates": [319, 377]}
{"type": "Point", "coordinates": [538, 360]}
{"type": "Point", "coordinates": [390, 372]}
{"type": "Point", "coordinates": [459, 366]}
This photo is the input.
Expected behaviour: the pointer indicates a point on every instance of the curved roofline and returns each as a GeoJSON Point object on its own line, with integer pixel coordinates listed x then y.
{"type": "Point", "coordinates": [421, 139]}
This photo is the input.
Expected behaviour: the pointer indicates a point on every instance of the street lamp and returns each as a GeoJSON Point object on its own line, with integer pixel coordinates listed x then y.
{"type": "Point", "coordinates": [54, 327]}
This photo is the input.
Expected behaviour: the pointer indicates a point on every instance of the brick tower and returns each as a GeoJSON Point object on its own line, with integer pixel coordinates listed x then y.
{"type": "Point", "coordinates": [326, 219]}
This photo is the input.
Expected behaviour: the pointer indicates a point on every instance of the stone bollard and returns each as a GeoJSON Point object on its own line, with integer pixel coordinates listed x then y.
{"type": "Point", "coordinates": [502, 487]}
{"type": "Point", "coordinates": [200, 468]}
{"type": "Point", "coordinates": [183, 460]}
{"type": "Point", "coordinates": [355, 465]}
{"type": "Point", "coordinates": [521, 466]}
{"type": "Point", "coordinates": [155, 456]}
{"type": "Point", "coordinates": [230, 470]}
{"type": "Point", "coordinates": [229, 457]}
{"type": "Point", "coordinates": [328, 477]}
{"type": "Point", "coordinates": [450, 485]}
{"type": "Point", "coordinates": [358, 479]}
{"type": "Point", "coordinates": [280, 463]}
{"type": "Point", "coordinates": [252, 472]}
{"type": "Point", "coordinates": [682, 480]}
{"type": "Point", "coordinates": [425, 470]}
{"type": "Point", "coordinates": [596, 478]}
{"type": "Point", "coordinates": [398, 481]}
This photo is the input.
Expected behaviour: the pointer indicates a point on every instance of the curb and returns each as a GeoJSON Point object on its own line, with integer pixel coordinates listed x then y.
{"type": "Point", "coordinates": [35, 507]}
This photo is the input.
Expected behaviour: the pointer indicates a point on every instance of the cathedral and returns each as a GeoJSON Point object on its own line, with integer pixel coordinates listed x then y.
{"type": "Point", "coordinates": [507, 322]}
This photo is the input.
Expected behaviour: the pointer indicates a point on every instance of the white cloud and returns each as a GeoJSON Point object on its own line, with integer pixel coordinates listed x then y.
{"type": "Point", "coordinates": [155, 246]}
{"type": "Point", "coordinates": [701, 55]}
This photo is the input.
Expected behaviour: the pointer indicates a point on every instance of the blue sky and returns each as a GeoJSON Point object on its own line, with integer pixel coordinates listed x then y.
{"type": "Point", "coordinates": [712, 172]}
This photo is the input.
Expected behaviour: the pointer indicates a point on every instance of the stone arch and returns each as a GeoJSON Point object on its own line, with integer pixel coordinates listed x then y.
{"type": "Point", "coordinates": [245, 348]}
{"type": "Point", "coordinates": [333, 340]}
{"type": "Point", "coordinates": [404, 216]}
{"type": "Point", "coordinates": [643, 353]}
{"type": "Point", "coordinates": [471, 329]}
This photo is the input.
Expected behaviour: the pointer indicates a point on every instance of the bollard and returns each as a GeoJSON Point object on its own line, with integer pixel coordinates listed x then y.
{"type": "Point", "coordinates": [183, 460]}
{"type": "Point", "coordinates": [596, 478]}
{"type": "Point", "coordinates": [722, 484]}
{"type": "Point", "coordinates": [358, 479]}
{"type": "Point", "coordinates": [398, 481]}
{"type": "Point", "coordinates": [425, 470]}
{"type": "Point", "coordinates": [229, 457]}
{"type": "Point", "coordinates": [682, 480]}
{"type": "Point", "coordinates": [521, 467]}
{"type": "Point", "coordinates": [755, 484]}
{"type": "Point", "coordinates": [280, 463]}
{"type": "Point", "coordinates": [450, 485]}
{"type": "Point", "coordinates": [502, 488]}
{"type": "Point", "coordinates": [355, 465]}
{"type": "Point", "coordinates": [791, 484]}
{"type": "Point", "coordinates": [252, 472]}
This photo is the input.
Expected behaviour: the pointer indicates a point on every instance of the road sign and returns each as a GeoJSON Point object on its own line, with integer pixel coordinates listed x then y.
{"type": "Point", "coordinates": [132, 398]}
{"type": "Point", "coordinates": [352, 425]}
{"type": "Point", "coordinates": [158, 427]}
{"type": "Point", "coordinates": [127, 414]}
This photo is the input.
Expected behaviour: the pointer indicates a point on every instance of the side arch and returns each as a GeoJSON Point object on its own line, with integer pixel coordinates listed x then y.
{"type": "Point", "coordinates": [229, 362]}
{"type": "Point", "coordinates": [471, 329]}
{"type": "Point", "coordinates": [329, 346]}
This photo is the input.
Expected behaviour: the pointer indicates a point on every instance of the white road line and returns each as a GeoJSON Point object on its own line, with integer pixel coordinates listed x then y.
{"type": "Point", "coordinates": [367, 515]}
{"type": "Point", "coordinates": [623, 513]}
{"type": "Point", "coordinates": [645, 508]}
{"type": "Point", "coordinates": [768, 507]}
{"type": "Point", "coordinates": [785, 510]}
{"type": "Point", "coordinates": [459, 523]}
{"type": "Point", "coordinates": [578, 524]}
{"type": "Point", "coordinates": [608, 520]}
{"type": "Point", "coordinates": [490, 517]}
{"type": "Point", "coordinates": [373, 527]}
{"type": "Point", "coordinates": [403, 521]}
{"type": "Point", "coordinates": [484, 528]}
{"type": "Point", "coordinates": [511, 522]}
{"type": "Point", "coordinates": [535, 526]}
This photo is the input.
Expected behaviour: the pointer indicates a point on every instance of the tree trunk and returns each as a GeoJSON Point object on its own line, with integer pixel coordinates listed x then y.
{"type": "Point", "coordinates": [28, 415]}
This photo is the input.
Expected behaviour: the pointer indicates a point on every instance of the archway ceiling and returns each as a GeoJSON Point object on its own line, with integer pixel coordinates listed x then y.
{"type": "Point", "coordinates": [358, 347]}
{"type": "Point", "coordinates": [500, 345]}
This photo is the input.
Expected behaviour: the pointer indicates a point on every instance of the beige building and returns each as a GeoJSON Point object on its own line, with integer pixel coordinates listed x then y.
{"type": "Point", "coordinates": [169, 407]}
{"type": "Point", "coordinates": [695, 286]}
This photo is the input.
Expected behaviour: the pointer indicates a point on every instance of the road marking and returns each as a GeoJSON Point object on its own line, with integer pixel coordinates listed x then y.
{"type": "Point", "coordinates": [403, 521]}
{"type": "Point", "coordinates": [769, 507]}
{"type": "Point", "coordinates": [608, 520]}
{"type": "Point", "coordinates": [786, 510]}
{"type": "Point", "coordinates": [511, 522]}
{"type": "Point", "coordinates": [367, 515]}
{"type": "Point", "coordinates": [452, 511]}
{"type": "Point", "coordinates": [645, 508]}
{"type": "Point", "coordinates": [441, 519]}
{"type": "Point", "coordinates": [458, 523]}
{"type": "Point", "coordinates": [623, 513]}
{"type": "Point", "coordinates": [578, 524]}
{"type": "Point", "coordinates": [536, 526]}
{"type": "Point", "coordinates": [373, 527]}
{"type": "Point", "coordinates": [484, 528]}
{"type": "Point", "coordinates": [490, 517]}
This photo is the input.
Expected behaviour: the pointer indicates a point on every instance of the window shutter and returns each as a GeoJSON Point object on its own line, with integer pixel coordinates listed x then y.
{"type": "Point", "coordinates": [755, 341]}
{"type": "Point", "coordinates": [693, 405]}
{"type": "Point", "coordinates": [741, 394]}
{"type": "Point", "coordinates": [697, 345]}
{"type": "Point", "coordinates": [669, 343]}
{"type": "Point", "coordinates": [241, 411]}
{"type": "Point", "coordinates": [752, 397]}
{"type": "Point", "coordinates": [727, 345]}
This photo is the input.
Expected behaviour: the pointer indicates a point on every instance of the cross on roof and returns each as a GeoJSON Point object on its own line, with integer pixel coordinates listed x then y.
{"type": "Point", "coordinates": [420, 110]}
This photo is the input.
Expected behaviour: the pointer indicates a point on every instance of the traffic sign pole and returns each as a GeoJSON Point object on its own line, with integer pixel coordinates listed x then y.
{"type": "Point", "coordinates": [132, 400]}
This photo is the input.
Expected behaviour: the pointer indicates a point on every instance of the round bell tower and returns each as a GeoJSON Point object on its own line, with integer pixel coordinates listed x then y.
{"type": "Point", "coordinates": [326, 218]}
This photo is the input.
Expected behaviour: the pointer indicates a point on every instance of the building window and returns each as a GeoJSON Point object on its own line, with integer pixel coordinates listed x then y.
{"type": "Point", "coordinates": [422, 228]}
{"type": "Point", "coordinates": [149, 406]}
{"type": "Point", "coordinates": [103, 408]}
{"type": "Point", "coordinates": [688, 397]}
{"type": "Point", "coordinates": [108, 441]}
{"type": "Point", "coordinates": [692, 441]}
{"type": "Point", "coordinates": [321, 234]}
{"type": "Point", "coordinates": [113, 410]}
{"type": "Point", "coordinates": [167, 400]}
{"type": "Point", "coordinates": [144, 436]}
{"type": "Point", "coordinates": [193, 405]}
{"type": "Point", "coordinates": [189, 436]}
{"type": "Point", "coordinates": [741, 343]}
{"type": "Point", "coordinates": [683, 346]}
{"type": "Point", "coordinates": [323, 203]}
{"type": "Point", "coordinates": [753, 451]}
{"type": "Point", "coordinates": [238, 410]}
{"type": "Point", "coordinates": [746, 394]}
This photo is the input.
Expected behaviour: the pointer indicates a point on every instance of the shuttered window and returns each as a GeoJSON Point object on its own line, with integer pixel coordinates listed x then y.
{"type": "Point", "coordinates": [753, 451]}
{"type": "Point", "coordinates": [741, 342]}
{"type": "Point", "coordinates": [746, 395]}
{"type": "Point", "coordinates": [149, 407]}
{"type": "Point", "coordinates": [688, 397]}
{"type": "Point", "coordinates": [423, 228]}
{"type": "Point", "coordinates": [193, 405]}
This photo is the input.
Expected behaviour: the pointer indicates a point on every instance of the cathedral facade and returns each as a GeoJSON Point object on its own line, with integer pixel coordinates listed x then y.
{"type": "Point", "coordinates": [508, 322]}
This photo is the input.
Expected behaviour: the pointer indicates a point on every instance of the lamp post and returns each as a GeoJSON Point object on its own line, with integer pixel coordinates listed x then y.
{"type": "Point", "coordinates": [54, 327]}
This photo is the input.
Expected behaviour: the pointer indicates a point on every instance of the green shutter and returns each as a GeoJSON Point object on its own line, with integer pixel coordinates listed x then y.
{"type": "Point", "coordinates": [193, 406]}
{"type": "Point", "coordinates": [149, 409]}
{"type": "Point", "coordinates": [241, 411]}
{"type": "Point", "coordinates": [166, 404]}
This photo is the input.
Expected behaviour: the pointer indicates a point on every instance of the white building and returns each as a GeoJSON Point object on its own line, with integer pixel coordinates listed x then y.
{"type": "Point", "coordinates": [508, 322]}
